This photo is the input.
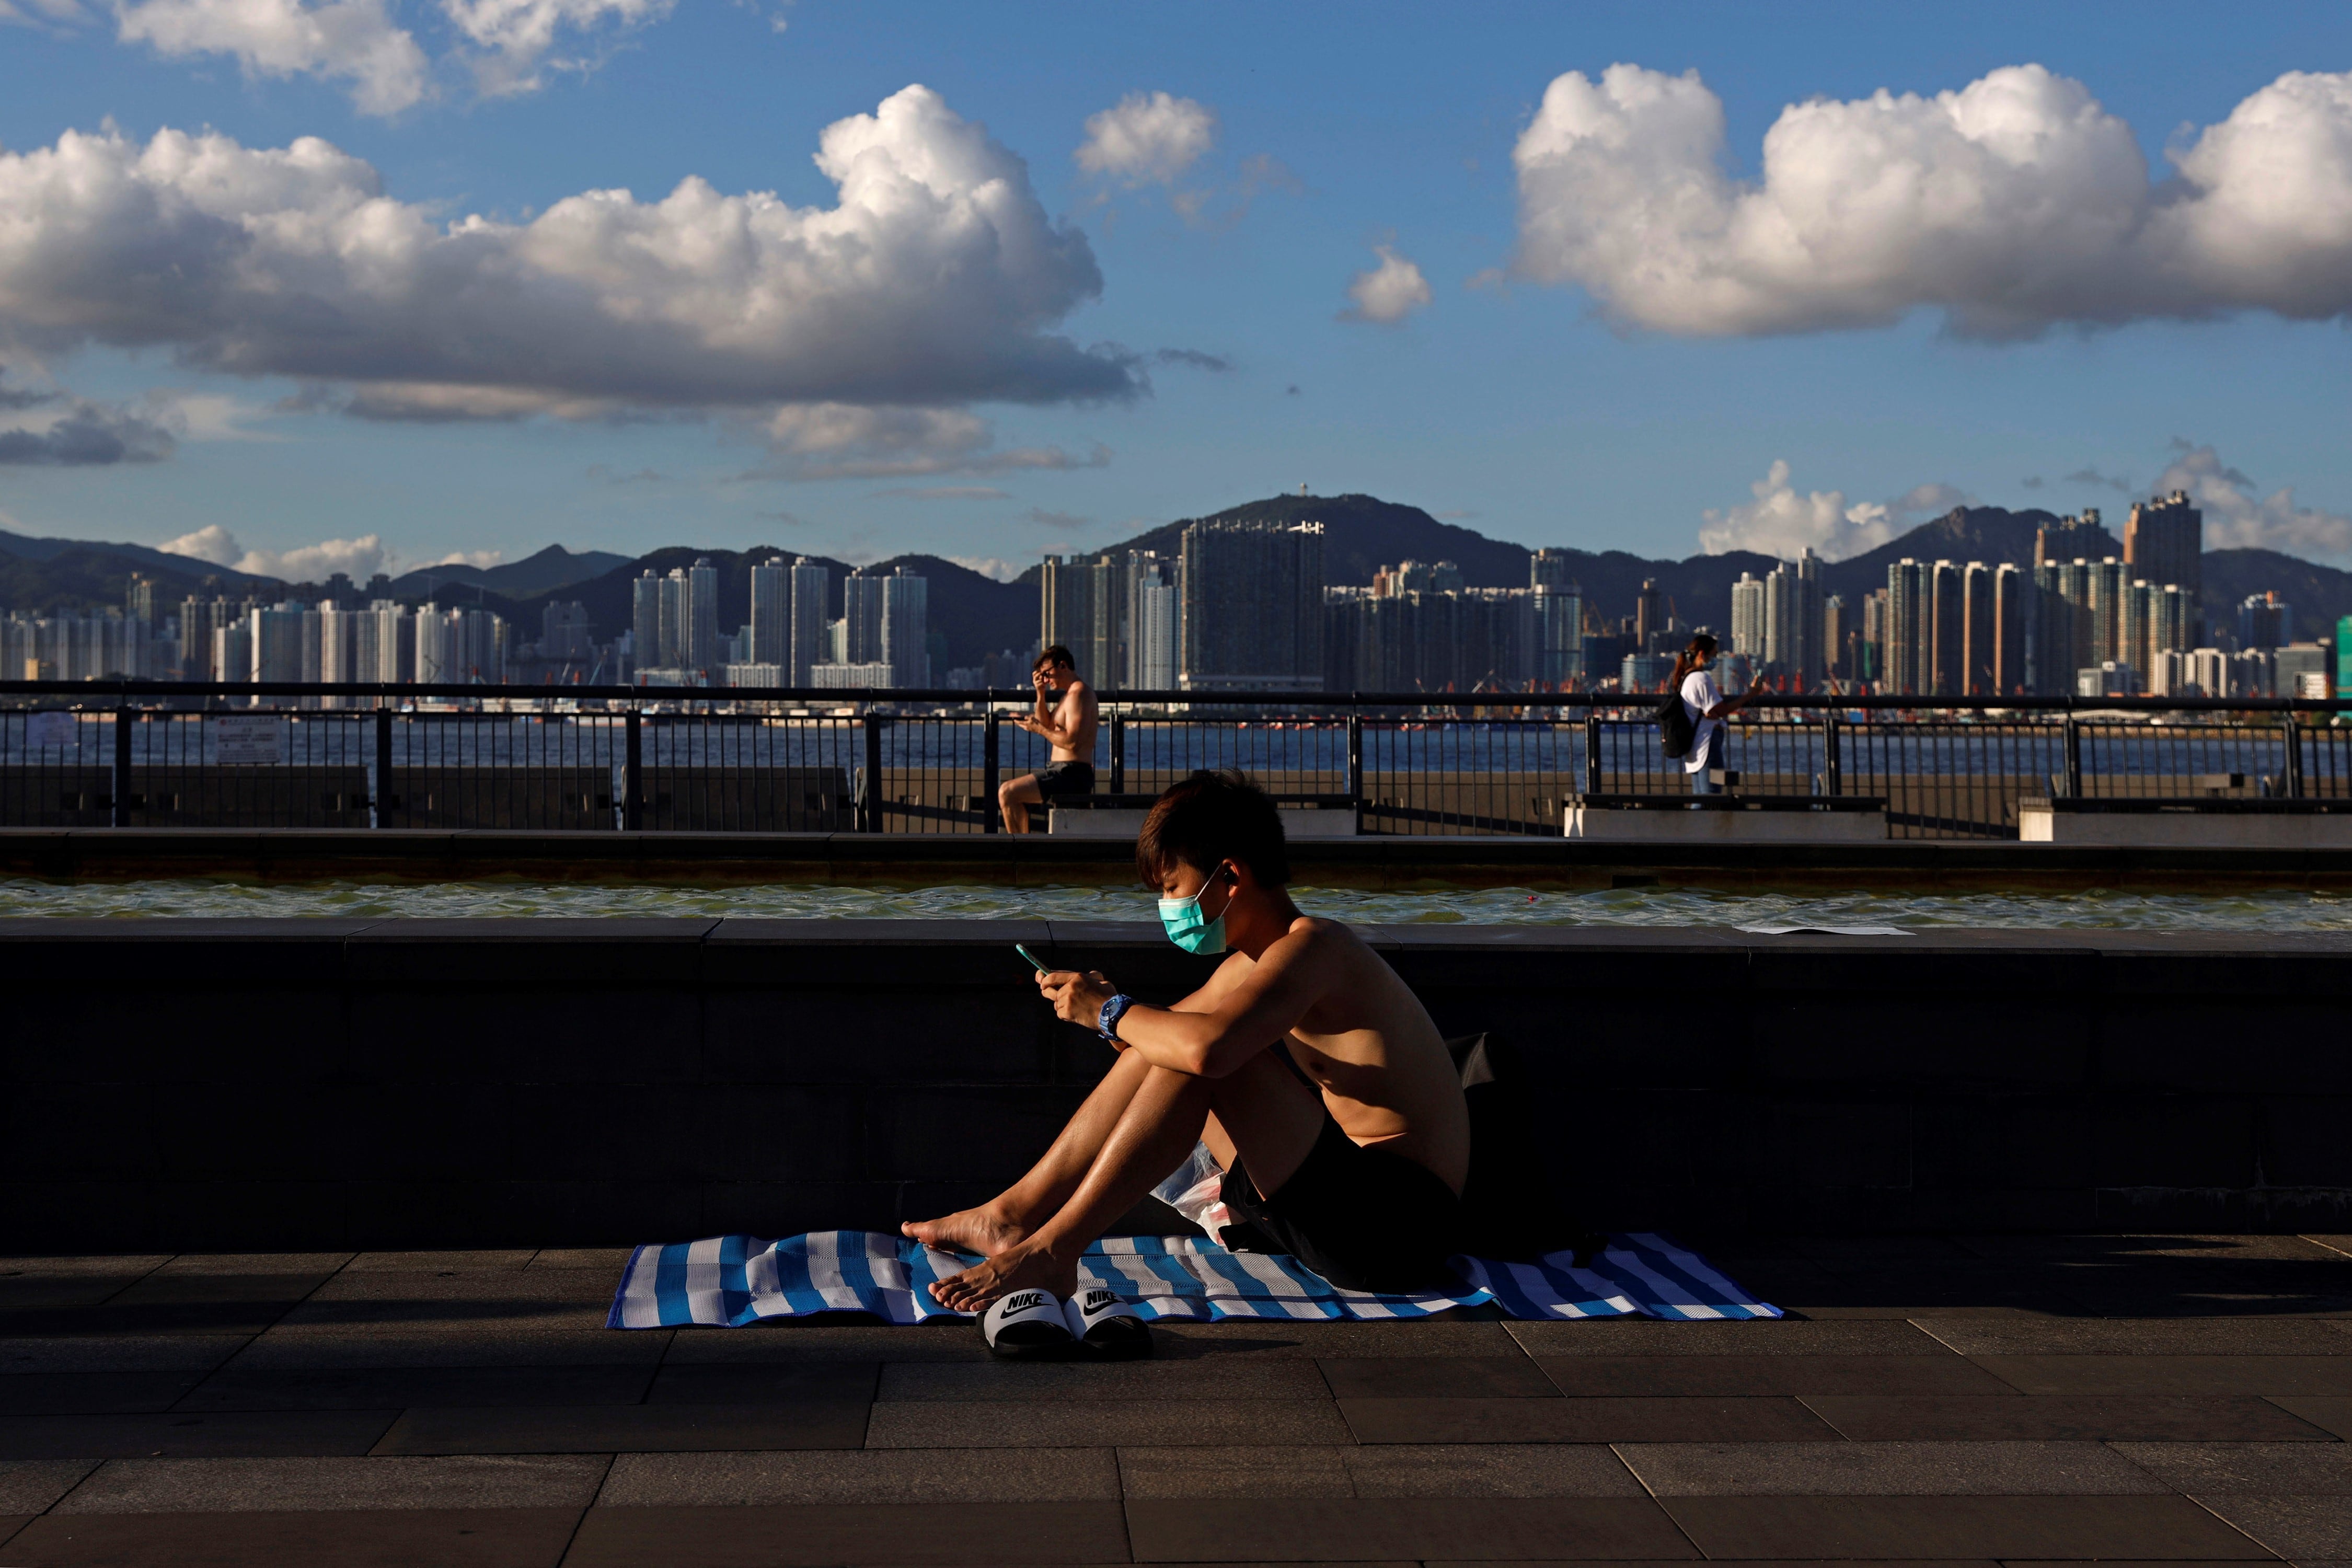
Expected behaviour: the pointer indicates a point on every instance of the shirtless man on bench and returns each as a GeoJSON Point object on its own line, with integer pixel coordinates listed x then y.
{"type": "Point", "coordinates": [1310, 1070]}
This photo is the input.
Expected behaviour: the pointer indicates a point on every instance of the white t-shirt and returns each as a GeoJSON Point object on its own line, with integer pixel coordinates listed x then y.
{"type": "Point", "coordinates": [1699, 695]}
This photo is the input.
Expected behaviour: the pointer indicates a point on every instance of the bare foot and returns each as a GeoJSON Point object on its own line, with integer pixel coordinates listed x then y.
{"type": "Point", "coordinates": [984, 1230]}
{"type": "Point", "coordinates": [1020, 1267]}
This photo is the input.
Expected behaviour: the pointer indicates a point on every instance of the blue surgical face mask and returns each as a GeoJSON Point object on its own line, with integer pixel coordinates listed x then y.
{"type": "Point", "coordinates": [1180, 919]}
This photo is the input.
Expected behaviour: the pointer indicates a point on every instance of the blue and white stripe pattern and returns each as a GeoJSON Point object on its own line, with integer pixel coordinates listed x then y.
{"type": "Point", "coordinates": [728, 1281]}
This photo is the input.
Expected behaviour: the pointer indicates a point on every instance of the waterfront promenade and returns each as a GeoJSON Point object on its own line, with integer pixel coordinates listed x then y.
{"type": "Point", "coordinates": [1948, 1399]}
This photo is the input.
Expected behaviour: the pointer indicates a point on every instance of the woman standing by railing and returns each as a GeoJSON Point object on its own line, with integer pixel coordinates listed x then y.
{"type": "Point", "coordinates": [1710, 748]}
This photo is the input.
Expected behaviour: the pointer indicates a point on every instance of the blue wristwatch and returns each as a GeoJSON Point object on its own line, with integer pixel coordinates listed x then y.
{"type": "Point", "coordinates": [1107, 1024]}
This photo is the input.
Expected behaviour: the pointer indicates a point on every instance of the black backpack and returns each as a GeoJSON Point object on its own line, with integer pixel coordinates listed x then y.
{"type": "Point", "coordinates": [1675, 732]}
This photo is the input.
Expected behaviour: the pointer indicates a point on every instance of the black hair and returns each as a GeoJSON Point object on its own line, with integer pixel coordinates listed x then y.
{"type": "Point", "coordinates": [1700, 643]}
{"type": "Point", "coordinates": [1053, 655]}
{"type": "Point", "coordinates": [1211, 818]}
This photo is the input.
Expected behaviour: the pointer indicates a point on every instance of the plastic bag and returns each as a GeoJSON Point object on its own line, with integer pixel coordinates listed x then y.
{"type": "Point", "coordinates": [1195, 1190]}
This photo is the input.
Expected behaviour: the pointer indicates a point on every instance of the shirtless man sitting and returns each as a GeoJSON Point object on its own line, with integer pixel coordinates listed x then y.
{"type": "Point", "coordinates": [1068, 724]}
{"type": "Point", "coordinates": [1307, 1066]}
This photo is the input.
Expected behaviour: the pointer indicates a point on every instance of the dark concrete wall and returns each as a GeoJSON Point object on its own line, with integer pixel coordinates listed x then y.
{"type": "Point", "coordinates": [274, 1084]}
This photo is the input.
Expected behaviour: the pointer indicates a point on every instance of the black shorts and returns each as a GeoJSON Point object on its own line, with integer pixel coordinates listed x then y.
{"type": "Point", "coordinates": [1363, 1218]}
{"type": "Point", "coordinates": [1064, 780]}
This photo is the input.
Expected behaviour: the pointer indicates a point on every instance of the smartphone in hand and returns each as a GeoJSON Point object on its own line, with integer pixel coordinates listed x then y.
{"type": "Point", "coordinates": [1034, 961]}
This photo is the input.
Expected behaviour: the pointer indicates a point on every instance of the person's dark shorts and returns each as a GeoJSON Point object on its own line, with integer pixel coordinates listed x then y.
{"type": "Point", "coordinates": [1063, 781]}
{"type": "Point", "coordinates": [1362, 1218]}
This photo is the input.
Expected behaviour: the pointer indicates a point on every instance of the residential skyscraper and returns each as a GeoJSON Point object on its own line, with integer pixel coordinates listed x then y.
{"type": "Point", "coordinates": [861, 610]}
{"type": "Point", "coordinates": [1747, 635]}
{"type": "Point", "coordinates": [1947, 645]}
{"type": "Point", "coordinates": [1909, 627]}
{"type": "Point", "coordinates": [2265, 620]}
{"type": "Point", "coordinates": [905, 629]}
{"type": "Point", "coordinates": [1153, 608]}
{"type": "Point", "coordinates": [2164, 541]}
{"type": "Point", "coordinates": [1253, 607]}
{"type": "Point", "coordinates": [771, 611]}
{"type": "Point", "coordinates": [1556, 614]}
{"type": "Point", "coordinates": [2012, 615]}
{"type": "Point", "coordinates": [1081, 601]}
{"type": "Point", "coordinates": [812, 608]}
{"type": "Point", "coordinates": [1551, 568]}
{"type": "Point", "coordinates": [2072, 538]}
{"type": "Point", "coordinates": [646, 619]}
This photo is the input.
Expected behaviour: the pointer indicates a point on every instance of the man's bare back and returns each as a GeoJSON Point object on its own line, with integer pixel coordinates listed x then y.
{"type": "Point", "coordinates": [1369, 1044]}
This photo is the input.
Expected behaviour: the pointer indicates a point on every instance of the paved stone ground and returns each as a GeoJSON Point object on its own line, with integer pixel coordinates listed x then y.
{"type": "Point", "coordinates": [2130, 1399]}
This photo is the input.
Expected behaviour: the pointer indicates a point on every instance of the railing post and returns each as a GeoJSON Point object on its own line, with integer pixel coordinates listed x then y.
{"type": "Point", "coordinates": [2293, 782]}
{"type": "Point", "coordinates": [872, 805]}
{"type": "Point", "coordinates": [382, 801]}
{"type": "Point", "coordinates": [2073, 760]}
{"type": "Point", "coordinates": [633, 776]}
{"type": "Point", "coordinates": [1356, 765]}
{"type": "Point", "coordinates": [1118, 753]}
{"type": "Point", "coordinates": [1832, 764]}
{"type": "Point", "coordinates": [125, 717]}
{"type": "Point", "coordinates": [992, 771]}
{"type": "Point", "coordinates": [1592, 751]}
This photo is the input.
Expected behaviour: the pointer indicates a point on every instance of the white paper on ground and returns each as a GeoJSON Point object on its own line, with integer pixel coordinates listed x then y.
{"type": "Point", "coordinates": [1786, 929]}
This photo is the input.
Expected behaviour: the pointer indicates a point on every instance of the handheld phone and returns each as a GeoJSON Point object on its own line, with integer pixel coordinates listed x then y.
{"type": "Point", "coordinates": [1034, 961]}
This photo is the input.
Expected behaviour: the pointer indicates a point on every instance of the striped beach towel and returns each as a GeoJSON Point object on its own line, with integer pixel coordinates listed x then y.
{"type": "Point", "coordinates": [727, 1281]}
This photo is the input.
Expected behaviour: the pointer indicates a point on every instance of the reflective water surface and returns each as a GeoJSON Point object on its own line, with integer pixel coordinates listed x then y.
{"type": "Point", "coordinates": [2281, 911]}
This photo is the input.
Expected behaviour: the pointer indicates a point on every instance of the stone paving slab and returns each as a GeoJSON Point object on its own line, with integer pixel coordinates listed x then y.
{"type": "Point", "coordinates": [1404, 1470]}
{"type": "Point", "coordinates": [1721, 1374]}
{"type": "Point", "coordinates": [994, 1475]}
{"type": "Point", "coordinates": [2248, 1373]}
{"type": "Point", "coordinates": [1583, 1420]}
{"type": "Point", "coordinates": [2142, 1336]}
{"type": "Point", "coordinates": [1750, 1337]}
{"type": "Point", "coordinates": [2122, 1417]}
{"type": "Point", "coordinates": [93, 1393]}
{"type": "Point", "coordinates": [445, 1538]}
{"type": "Point", "coordinates": [522, 1344]}
{"type": "Point", "coordinates": [956, 1534]}
{"type": "Point", "coordinates": [617, 1429]}
{"type": "Point", "coordinates": [470, 1408]}
{"type": "Point", "coordinates": [117, 1353]}
{"type": "Point", "coordinates": [338, 1485]}
{"type": "Point", "coordinates": [236, 1433]}
{"type": "Point", "coordinates": [2152, 1529]}
{"type": "Point", "coordinates": [1102, 1423]}
{"type": "Point", "coordinates": [1496, 1529]}
{"type": "Point", "coordinates": [1888, 1469]}
{"type": "Point", "coordinates": [2332, 1414]}
{"type": "Point", "coordinates": [2299, 1528]}
{"type": "Point", "coordinates": [2206, 1469]}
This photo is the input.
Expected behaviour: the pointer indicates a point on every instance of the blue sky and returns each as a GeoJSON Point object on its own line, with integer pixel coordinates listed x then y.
{"type": "Point", "coordinates": [1568, 361]}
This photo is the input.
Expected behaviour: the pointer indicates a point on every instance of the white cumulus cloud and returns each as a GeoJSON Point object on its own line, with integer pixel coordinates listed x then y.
{"type": "Point", "coordinates": [935, 279]}
{"type": "Point", "coordinates": [995, 566]}
{"type": "Point", "coordinates": [2237, 517]}
{"type": "Point", "coordinates": [2013, 204]}
{"type": "Point", "coordinates": [361, 558]}
{"type": "Point", "coordinates": [508, 45]}
{"type": "Point", "coordinates": [1148, 138]}
{"type": "Point", "coordinates": [1388, 293]}
{"type": "Point", "coordinates": [1778, 519]}
{"type": "Point", "coordinates": [350, 40]}
{"type": "Point", "coordinates": [513, 42]}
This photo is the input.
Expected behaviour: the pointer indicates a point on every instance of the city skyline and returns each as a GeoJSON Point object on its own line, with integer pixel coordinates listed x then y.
{"type": "Point", "coordinates": [1375, 257]}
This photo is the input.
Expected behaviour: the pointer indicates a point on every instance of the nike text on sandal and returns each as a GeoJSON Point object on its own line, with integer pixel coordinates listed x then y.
{"type": "Point", "coordinates": [1107, 1326]}
{"type": "Point", "coordinates": [1027, 1325]}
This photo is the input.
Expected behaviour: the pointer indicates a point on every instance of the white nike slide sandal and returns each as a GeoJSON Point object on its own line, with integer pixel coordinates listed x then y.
{"type": "Point", "coordinates": [1107, 1326]}
{"type": "Point", "coordinates": [1027, 1325]}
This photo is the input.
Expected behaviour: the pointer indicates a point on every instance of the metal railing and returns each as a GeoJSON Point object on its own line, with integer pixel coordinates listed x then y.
{"type": "Point", "coordinates": [164, 754]}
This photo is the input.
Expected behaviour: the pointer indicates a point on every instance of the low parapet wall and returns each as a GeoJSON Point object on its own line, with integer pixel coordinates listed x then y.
{"type": "Point", "coordinates": [178, 1085]}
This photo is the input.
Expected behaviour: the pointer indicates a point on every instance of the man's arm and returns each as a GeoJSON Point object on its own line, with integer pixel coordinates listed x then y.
{"type": "Point", "coordinates": [1052, 723]}
{"type": "Point", "coordinates": [1233, 1023]}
